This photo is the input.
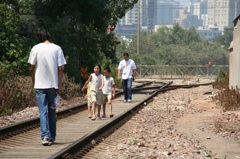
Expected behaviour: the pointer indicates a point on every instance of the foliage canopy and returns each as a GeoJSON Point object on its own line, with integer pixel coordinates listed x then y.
{"type": "Point", "coordinates": [174, 46]}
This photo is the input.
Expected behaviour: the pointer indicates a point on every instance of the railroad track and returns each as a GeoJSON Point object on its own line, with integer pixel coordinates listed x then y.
{"type": "Point", "coordinates": [76, 133]}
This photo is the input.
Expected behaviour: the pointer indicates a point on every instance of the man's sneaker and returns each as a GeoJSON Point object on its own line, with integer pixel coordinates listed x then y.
{"type": "Point", "coordinates": [129, 101]}
{"type": "Point", "coordinates": [125, 101]}
{"type": "Point", "coordinates": [52, 140]}
{"type": "Point", "coordinates": [45, 141]}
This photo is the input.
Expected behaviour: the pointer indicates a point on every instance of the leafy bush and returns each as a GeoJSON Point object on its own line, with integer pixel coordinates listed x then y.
{"type": "Point", "coordinates": [16, 40]}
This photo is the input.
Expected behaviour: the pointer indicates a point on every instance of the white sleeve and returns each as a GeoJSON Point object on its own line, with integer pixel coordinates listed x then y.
{"type": "Point", "coordinates": [133, 65]}
{"type": "Point", "coordinates": [32, 57]}
{"type": "Point", "coordinates": [61, 59]}
{"type": "Point", "coordinates": [113, 83]}
{"type": "Point", "coordinates": [120, 66]}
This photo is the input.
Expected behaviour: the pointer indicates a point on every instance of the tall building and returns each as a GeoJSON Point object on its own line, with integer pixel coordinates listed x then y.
{"type": "Point", "coordinates": [147, 14]}
{"type": "Point", "coordinates": [188, 20]}
{"type": "Point", "coordinates": [200, 8]}
{"type": "Point", "coordinates": [152, 12]}
{"type": "Point", "coordinates": [167, 11]}
{"type": "Point", "coordinates": [221, 13]}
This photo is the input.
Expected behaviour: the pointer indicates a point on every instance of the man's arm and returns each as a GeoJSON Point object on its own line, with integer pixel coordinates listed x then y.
{"type": "Point", "coordinates": [134, 74]}
{"type": "Point", "coordinates": [119, 74]}
{"type": "Point", "coordinates": [32, 72]}
{"type": "Point", "coordinates": [60, 74]}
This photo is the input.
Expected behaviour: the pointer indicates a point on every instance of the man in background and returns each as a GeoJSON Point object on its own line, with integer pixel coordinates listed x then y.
{"type": "Point", "coordinates": [127, 72]}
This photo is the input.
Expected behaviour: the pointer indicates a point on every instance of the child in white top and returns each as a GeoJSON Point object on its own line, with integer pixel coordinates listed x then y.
{"type": "Point", "coordinates": [108, 91]}
{"type": "Point", "coordinates": [96, 96]}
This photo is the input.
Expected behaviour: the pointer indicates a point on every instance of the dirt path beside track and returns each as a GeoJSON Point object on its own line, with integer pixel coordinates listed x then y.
{"type": "Point", "coordinates": [200, 126]}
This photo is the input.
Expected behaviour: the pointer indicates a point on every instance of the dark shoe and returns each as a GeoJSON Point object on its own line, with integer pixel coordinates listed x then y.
{"type": "Point", "coordinates": [52, 140]}
{"type": "Point", "coordinates": [111, 115]}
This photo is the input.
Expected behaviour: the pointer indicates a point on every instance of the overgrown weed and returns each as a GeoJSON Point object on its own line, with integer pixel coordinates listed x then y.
{"type": "Point", "coordinates": [17, 92]}
{"type": "Point", "coordinates": [227, 98]}
{"type": "Point", "coordinates": [70, 88]}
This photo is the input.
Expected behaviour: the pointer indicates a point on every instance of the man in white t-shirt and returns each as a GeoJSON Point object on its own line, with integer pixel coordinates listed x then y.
{"type": "Point", "coordinates": [127, 72]}
{"type": "Point", "coordinates": [46, 67]}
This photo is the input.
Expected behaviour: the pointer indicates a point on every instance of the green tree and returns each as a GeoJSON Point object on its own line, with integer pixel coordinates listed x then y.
{"type": "Point", "coordinates": [15, 41]}
{"type": "Point", "coordinates": [174, 46]}
{"type": "Point", "coordinates": [79, 27]}
{"type": "Point", "coordinates": [226, 38]}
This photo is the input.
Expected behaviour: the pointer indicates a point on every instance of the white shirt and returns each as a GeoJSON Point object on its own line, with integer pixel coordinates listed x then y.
{"type": "Point", "coordinates": [127, 68]}
{"type": "Point", "coordinates": [108, 85]}
{"type": "Point", "coordinates": [46, 58]}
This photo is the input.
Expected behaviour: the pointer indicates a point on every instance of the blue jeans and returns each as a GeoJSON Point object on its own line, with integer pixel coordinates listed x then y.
{"type": "Point", "coordinates": [45, 98]}
{"type": "Point", "coordinates": [127, 88]}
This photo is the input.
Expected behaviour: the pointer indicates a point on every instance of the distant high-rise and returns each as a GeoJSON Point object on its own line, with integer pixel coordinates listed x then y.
{"type": "Point", "coordinates": [187, 20]}
{"type": "Point", "coordinates": [221, 13]}
{"type": "Point", "coordinates": [127, 26]}
{"type": "Point", "coordinates": [200, 8]}
{"type": "Point", "coordinates": [148, 11]}
{"type": "Point", "coordinates": [167, 11]}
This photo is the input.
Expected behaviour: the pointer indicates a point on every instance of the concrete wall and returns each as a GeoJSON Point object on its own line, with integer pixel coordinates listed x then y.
{"type": "Point", "coordinates": [234, 63]}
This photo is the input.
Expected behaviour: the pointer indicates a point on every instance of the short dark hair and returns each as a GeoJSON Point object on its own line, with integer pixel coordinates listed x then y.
{"type": "Point", "coordinates": [108, 69]}
{"type": "Point", "coordinates": [43, 35]}
{"type": "Point", "coordinates": [125, 54]}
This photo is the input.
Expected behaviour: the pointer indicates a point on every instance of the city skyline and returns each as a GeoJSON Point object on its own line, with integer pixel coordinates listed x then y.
{"type": "Point", "coordinates": [209, 17]}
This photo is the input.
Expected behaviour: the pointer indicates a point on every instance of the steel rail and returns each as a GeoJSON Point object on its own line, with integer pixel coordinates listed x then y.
{"type": "Point", "coordinates": [81, 146]}
{"type": "Point", "coordinates": [86, 142]}
{"type": "Point", "coordinates": [26, 125]}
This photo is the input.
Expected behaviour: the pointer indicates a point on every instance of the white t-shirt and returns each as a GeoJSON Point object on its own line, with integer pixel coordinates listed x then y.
{"type": "Point", "coordinates": [127, 68]}
{"type": "Point", "coordinates": [108, 85]}
{"type": "Point", "coordinates": [46, 58]}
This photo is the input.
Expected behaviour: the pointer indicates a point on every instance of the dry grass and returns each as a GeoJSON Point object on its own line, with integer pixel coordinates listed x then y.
{"type": "Point", "coordinates": [228, 99]}
{"type": "Point", "coordinates": [17, 93]}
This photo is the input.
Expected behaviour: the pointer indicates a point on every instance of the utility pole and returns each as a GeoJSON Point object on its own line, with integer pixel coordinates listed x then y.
{"type": "Point", "coordinates": [138, 34]}
{"type": "Point", "coordinates": [235, 9]}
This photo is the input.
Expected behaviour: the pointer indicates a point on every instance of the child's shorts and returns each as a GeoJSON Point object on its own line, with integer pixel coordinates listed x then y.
{"type": "Point", "coordinates": [96, 96]}
{"type": "Point", "coordinates": [107, 96]}
{"type": "Point", "coordinates": [89, 104]}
